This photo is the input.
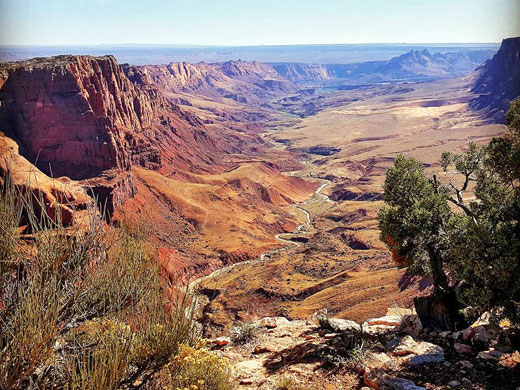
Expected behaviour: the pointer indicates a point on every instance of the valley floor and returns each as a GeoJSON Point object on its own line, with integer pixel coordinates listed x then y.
{"type": "Point", "coordinates": [337, 261]}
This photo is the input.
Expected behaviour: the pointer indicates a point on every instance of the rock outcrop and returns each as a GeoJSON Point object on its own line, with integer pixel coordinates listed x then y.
{"type": "Point", "coordinates": [83, 118]}
{"type": "Point", "coordinates": [498, 81]}
{"type": "Point", "coordinates": [244, 82]}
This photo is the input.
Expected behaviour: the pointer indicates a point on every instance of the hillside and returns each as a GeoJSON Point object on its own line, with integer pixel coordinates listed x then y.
{"type": "Point", "coordinates": [125, 141]}
{"type": "Point", "coordinates": [498, 81]}
{"type": "Point", "coordinates": [411, 66]}
{"type": "Point", "coordinates": [244, 82]}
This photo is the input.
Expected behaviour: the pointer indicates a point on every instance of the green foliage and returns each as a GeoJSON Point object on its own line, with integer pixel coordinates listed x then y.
{"type": "Point", "coordinates": [477, 240]}
{"type": "Point", "coordinates": [414, 218]}
{"type": "Point", "coordinates": [81, 307]}
{"type": "Point", "coordinates": [486, 254]}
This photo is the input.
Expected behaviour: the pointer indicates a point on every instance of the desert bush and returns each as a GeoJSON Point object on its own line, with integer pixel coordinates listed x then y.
{"type": "Point", "coordinates": [244, 333]}
{"type": "Point", "coordinates": [81, 307]}
{"type": "Point", "coordinates": [197, 369]}
{"type": "Point", "coordinates": [289, 382]}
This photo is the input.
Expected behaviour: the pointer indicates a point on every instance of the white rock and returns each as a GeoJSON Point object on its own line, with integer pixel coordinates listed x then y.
{"type": "Point", "coordinates": [445, 334]}
{"type": "Point", "coordinates": [273, 322]}
{"type": "Point", "coordinates": [378, 379]}
{"type": "Point", "coordinates": [379, 359]}
{"type": "Point", "coordinates": [454, 383]}
{"type": "Point", "coordinates": [339, 325]}
{"type": "Point", "coordinates": [422, 351]}
{"type": "Point", "coordinates": [402, 384]}
{"type": "Point", "coordinates": [318, 316]}
{"type": "Point", "coordinates": [386, 320]}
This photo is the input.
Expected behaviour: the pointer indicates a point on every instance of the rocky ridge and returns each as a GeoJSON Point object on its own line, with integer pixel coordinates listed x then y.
{"type": "Point", "coordinates": [388, 353]}
{"type": "Point", "coordinates": [498, 81]}
{"type": "Point", "coordinates": [412, 66]}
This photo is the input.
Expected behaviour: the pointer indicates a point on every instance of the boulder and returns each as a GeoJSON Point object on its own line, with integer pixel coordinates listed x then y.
{"type": "Point", "coordinates": [426, 358]}
{"type": "Point", "coordinates": [339, 325]}
{"type": "Point", "coordinates": [511, 360]}
{"type": "Point", "coordinates": [374, 378]}
{"type": "Point", "coordinates": [392, 320]}
{"type": "Point", "coordinates": [490, 354]}
{"type": "Point", "coordinates": [319, 316]}
{"type": "Point", "coordinates": [463, 348]}
{"type": "Point", "coordinates": [379, 360]}
{"type": "Point", "coordinates": [405, 347]}
{"type": "Point", "coordinates": [467, 333]}
{"type": "Point", "coordinates": [222, 341]}
{"type": "Point", "coordinates": [402, 384]}
{"type": "Point", "coordinates": [422, 352]}
{"type": "Point", "coordinates": [379, 380]}
{"type": "Point", "coordinates": [273, 322]}
{"type": "Point", "coordinates": [481, 334]}
{"type": "Point", "coordinates": [410, 324]}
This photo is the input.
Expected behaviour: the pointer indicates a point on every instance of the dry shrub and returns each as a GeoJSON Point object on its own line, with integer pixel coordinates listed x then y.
{"type": "Point", "coordinates": [80, 308]}
{"type": "Point", "coordinates": [289, 382]}
{"type": "Point", "coordinates": [244, 333]}
{"type": "Point", "coordinates": [197, 369]}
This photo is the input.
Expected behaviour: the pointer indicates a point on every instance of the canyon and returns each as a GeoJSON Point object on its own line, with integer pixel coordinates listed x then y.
{"type": "Point", "coordinates": [259, 183]}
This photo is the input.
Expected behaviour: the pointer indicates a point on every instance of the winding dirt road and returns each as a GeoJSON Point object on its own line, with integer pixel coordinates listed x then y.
{"type": "Point", "coordinates": [317, 196]}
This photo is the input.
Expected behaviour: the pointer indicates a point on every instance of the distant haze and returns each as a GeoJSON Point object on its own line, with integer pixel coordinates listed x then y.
{"type": "Point", "coordinates": [255, 22]}
{"type": "Point", "coordinates": [162, 54]}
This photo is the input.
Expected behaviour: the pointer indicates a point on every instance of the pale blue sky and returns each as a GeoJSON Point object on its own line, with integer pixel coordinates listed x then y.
{"type": "Point", "coordinates": [256, 22]}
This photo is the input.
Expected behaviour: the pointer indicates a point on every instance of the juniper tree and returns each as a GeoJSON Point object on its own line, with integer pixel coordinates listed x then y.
{"type": "Point", "coordinates": [466, 221]}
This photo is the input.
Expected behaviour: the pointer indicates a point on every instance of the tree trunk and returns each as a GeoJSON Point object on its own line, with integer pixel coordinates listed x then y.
{"type": "Point", "coordinates": [441, 284]}
{"type": "Point", "coordinates": [441, 310]}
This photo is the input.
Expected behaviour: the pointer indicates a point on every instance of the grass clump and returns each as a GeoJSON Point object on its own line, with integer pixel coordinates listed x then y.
{"type": "Point", "coordinates": [82, 307]}
{"type": "Point", "coordinates": [289, 382]}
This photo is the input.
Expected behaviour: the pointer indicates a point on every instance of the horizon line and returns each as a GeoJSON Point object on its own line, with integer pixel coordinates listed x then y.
{"type": "Point", "coordinates": [254, 45]}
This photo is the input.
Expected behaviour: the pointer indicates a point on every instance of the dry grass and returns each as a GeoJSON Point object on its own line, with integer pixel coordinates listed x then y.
{"type": "Point", "coordinates": [81, 307]}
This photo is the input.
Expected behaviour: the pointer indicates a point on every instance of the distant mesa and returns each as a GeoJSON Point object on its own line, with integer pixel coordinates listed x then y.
{"type": "Point", "coordinates": [412, 66]}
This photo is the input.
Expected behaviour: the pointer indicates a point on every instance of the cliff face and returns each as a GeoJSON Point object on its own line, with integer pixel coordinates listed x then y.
{"type": "Point", "coordinates": [76, 114]}
{"type": "Point", "coordinates": [498, 81]}
{"type": "Point", "coordinates": [244, 82]}
{"type": "Point", "coordinates": [82, 117]}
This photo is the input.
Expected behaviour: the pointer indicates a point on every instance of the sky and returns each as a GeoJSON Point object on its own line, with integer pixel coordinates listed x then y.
{"type": "Point", "coordinates": [256, 22]}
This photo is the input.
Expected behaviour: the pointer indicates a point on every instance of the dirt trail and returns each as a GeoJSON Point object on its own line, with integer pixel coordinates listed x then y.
{"type": "Point", "coordinates": [285, 238]}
